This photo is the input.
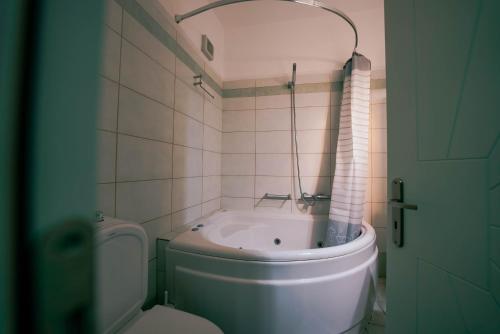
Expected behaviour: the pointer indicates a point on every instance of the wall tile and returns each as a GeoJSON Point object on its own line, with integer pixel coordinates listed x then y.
{"type": "Point", "coordinates": [238, 103]}
{"type": "Point", "coordinates": [182, 220]}
{"type": "Point", "coordinates": [379, 214]}
{"type": "Point", "coordinates": [239, 120]}
{"type": "Point", "coordinates": [209, 207]}
{"type": "Point", "coordinates": [273, 164]}
{"type": "Point", "coordinates": [238, 142]}
{"type": "Point", "coordinates": [378, 116]}
{"type": "Point", "coordinates": [367, 213]}
{"type": "Point", "coordinates": [188, 101]}
{"type": "Point", "coordinates": [320, 208]}
{"type": "Point", "coordinates": [106, 199]}
{"type": "Point", "coordinates": [238, 186]}
{"type": "Point", "coordinates": [144, 200]}
{"type": "Point", "coordinates": [141, 38]}
{"type": "Point", "coordinates": [211, 163]}
{"type": "Point", "coordinates": [142, 74]}
{"type": "Point", "coordinates": [313, 118]}
{"type": "Point", "coordinates": [273, 206]}
{"type": "Point", "coordinates": [186, 192]}
{"type": "Point", "coordinates": [314, 185]}
{"type": "Point", "coordinates": [212, 139]}
{"type": "Point", "coordinates": [187, 131]}
{"type": "Point", "coordinates": [272, 185]}
{"type": "Point", "coordinates": [319, 99]}
{"type": "Point", "coordinates": [313, 141]}
{"type": "Point", "coordinates": [211, 187]}
{"type": "Point", "coordinates": [238, 164]}
{"type": "Point", "coordinates": [114, 15]}
{"type": "Point", "coordinates": [143, 159]}
{"type": "Point", "coordinates": [154, 229]}
{"type": "Point", "coordinates": [379, 190]}
{"type": "Point", "coordinates": [273, 142]}
{"type": "Point", "coordinates": [273, 119]}
{"type": "Point", "coordinates": [313, 164]}
{"type": "Point", "coordinates": [273, 101]}
{"type": "Point", "coordinates": [109, 105]}
{"type": "Point", "coordinates": [143, 117]}
{"type": "Point", "coordinates": [111, 55]}
{"type": "Point", "coordinates": [232, 203]}
{"type": "Point", "coordinates": [379, 164]}
{"type": "Point", "coordinates": [107, 156]}
{"type": "Point", "coordinates": [188, 162]}
{"type": "Point", "coordinates": [212, 116]}
{"type": "Point", "coordinates": [379, 140]}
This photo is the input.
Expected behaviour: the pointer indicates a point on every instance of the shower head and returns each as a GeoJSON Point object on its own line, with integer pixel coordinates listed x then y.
{"type": "Point", "coordinates": [291, 84]}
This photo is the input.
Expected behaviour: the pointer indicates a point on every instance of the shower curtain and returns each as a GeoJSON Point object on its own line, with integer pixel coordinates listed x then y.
{"type": "Point", "coordinates": [351, 167]}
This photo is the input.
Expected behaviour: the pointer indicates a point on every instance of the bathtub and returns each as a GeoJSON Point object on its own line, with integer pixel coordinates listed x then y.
{"type": "Point", "coordinates": [259, 273]}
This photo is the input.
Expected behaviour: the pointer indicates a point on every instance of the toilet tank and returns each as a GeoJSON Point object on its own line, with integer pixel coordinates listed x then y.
{"type": "Point", "coordinates": [122, 273]}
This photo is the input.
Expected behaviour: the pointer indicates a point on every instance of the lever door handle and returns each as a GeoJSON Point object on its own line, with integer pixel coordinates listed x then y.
{"type": "Point", "coordinates": [400, 205]}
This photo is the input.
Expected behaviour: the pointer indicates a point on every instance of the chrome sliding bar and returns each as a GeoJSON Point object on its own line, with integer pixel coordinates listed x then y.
{"type": "Point", "coordinates": [277, 197]}
{"type": "Point", "coordinates": [318, 197]}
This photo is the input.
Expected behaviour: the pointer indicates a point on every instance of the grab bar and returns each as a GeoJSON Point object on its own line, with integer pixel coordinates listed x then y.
{"type": "Point", "coordinates": [198, 82]}
{"type": "Point", "coordinates": [277, 197]}
{"type": "Point", "coordinates": [318, 197]}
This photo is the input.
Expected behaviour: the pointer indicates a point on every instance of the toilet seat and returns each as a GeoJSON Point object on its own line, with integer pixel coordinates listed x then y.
{"type": "Point", "coordinates": [161, 319]}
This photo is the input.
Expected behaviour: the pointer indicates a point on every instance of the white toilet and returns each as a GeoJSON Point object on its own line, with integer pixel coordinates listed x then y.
{"type": "Point", "coordinates": [122, 281]}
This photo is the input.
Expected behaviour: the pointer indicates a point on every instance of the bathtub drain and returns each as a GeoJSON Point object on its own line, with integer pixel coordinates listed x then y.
{"type": "Point", "coordinates": [277, 241]}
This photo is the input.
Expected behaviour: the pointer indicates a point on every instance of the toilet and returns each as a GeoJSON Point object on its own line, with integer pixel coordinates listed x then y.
{"type": "Point", "coordinates": [122, 282]}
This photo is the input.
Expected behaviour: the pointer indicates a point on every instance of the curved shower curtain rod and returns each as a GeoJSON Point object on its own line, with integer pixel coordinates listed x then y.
{"type": "Point", "coordinates": [312, 3]}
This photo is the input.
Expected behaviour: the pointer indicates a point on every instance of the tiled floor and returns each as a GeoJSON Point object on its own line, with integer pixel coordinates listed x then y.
{"type": "Point", "coordinates": [377, 322]}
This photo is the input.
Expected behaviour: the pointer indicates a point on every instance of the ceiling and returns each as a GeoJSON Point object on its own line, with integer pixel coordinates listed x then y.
{"type": "Point", "coordinates": [267, 12]}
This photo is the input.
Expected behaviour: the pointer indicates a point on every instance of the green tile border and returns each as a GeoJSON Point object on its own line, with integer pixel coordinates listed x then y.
{"type": "Point", "coordinates": [134, 9]}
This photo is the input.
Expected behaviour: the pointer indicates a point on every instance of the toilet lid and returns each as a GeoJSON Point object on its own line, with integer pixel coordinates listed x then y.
{"type": "Point", "coordinates": [161, 319]}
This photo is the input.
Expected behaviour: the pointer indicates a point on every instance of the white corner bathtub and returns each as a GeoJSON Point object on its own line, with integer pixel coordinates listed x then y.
{"type": "Point", "coordinates": [266, 274]}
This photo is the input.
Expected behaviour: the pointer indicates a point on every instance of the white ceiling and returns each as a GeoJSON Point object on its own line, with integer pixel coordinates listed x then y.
{"type": "Point", "coordinates": [272, 11]}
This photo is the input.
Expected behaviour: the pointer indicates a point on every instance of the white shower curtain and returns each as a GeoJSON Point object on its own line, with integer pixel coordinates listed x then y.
{"type": "Point", "coordinates": [351, 167]}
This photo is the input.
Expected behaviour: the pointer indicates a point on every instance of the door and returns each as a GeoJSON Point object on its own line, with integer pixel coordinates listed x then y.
{"type": "Point", "coordinates": [443, 89]}
{"type": "Point", "coordinates": [50, 55]}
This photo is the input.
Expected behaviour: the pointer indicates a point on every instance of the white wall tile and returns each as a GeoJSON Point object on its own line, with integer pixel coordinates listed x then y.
{"type": "Point", "coordinates": [313, 164]}
{"type": "Point", "coordinates": [313, 185]}
{"type": "Point", "coordinates": [319, 99]}
{"type": "Point", "coordinates": [238, 142]}
{"type": "Point", "coordinates": [187, 131]}
{"type": "Point", "coordinates": [378, 115]}
{"type": "Point", "coordinates": [211, 187]}
{"type": "Point", "coordinates": [211, 163]}
{"type": "Point", "coordinates": [367, 213]}
{"type": "Point", "coordinates": [238, 103]}
{"type": "Point", "coordinates": [273, 206]}
{"type": "Point", "coordinates": [238, 186]}
{"type": "Point", "coordinates": [379, 214]}
{"type": "Point", "coordinates": [273, 164]}
{"type": "Point", "coordinates": [273, 101]}
{"type": "Point", "coordinates": [110, 67]}
{"type": "Point", "coordinates": [184, 73]}
{"type": "Point", "coordinates": [106, 199]}
{"type": "Point", "coordinates": [379, 140]}
{"type": "Point", "coordinates": [319, 208]}
{"type": "Point", "coordinates": [273, 142]}
{"type": "Point", "coordinates": [144, 200]}
{"type": "Point", "coordinates": [368, 192]}
{"type": "Point", "coordinates": [313, 118]}
{"type": "Point", "coordinates": [210, 206]}
{"type": "Point", "coordinates": [182, 220]}
{"type": "Point", "coordinates": [188, 162]}
{"type": "Point", "coordinates": [109, 105]}
{"type": "Point", "coordinates": [379, 164]}
{"type": "Point", "coordinates": [378, 96]}
{"type": "Point", "coordinates": [154, 229]}
{"type": "Point", "coordinates": [140, 37]}
{"type": "Point", "coordinates": [143, 117]}
{"type": "Point", "coordinates": [231, 203]}
{"type": "Point", "coordinates": [188, 101]}
{"type": "Point", "coordinates": [273, 119]}
{"type": "Point", "coordinates": [238, 120]}
{"type": "Point", "coordinates": [272, 185]}
{"type": "Point", "coordinates": [238, 164]}
{"type": "Point", "coordinates": [212, 116]}
{"type": "Point", "coordinates": [107, 156]}
{"type": "Point", "coordinates": [379, 190]}
{"type": "Point", "coordinates": [114, 15]}
{"type": "Point", "coordinates": [143, 159]}
{"type": "Point", "coordinates": [212, 139]}
{"type": "Point", "coordinates": [186, 192]}
{"type": "Point", "coordinates": [142, 74]}
{"type": "Point", "coordinates": [313, 141]}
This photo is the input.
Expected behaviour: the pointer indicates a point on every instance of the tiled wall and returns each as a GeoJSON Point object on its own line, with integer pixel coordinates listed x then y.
{"type": "Point", "coordinates": [160, 138]}
{"type": "Point", "coordinates": [257, 147]}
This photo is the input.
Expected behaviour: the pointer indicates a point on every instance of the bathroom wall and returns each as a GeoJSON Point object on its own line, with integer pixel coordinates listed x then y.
{"type": "Point", "coordinates": [160, 138]}
{"type": "Point", "coordinates": [257, 146]}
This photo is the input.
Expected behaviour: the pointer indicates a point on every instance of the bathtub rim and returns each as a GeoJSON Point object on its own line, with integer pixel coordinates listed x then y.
{"type": "Point", "coordinates": [195, 242]}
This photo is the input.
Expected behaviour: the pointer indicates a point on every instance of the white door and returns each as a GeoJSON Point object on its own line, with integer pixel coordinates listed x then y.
{"type": "Point", "coordinates": [443, 99]}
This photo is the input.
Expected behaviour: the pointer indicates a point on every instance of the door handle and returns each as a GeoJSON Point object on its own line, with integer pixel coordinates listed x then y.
{"type": "Point", "coordinates": [400, 205]}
